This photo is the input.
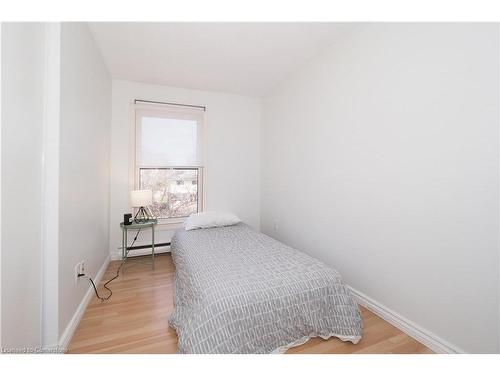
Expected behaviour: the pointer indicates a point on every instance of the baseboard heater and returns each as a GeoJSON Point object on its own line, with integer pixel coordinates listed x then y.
{"type": "Point", "coordinates": [138, 247]}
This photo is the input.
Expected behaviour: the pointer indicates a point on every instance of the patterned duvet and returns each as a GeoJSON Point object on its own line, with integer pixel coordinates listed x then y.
{"type": "Point", "coordinates": [240, 291]}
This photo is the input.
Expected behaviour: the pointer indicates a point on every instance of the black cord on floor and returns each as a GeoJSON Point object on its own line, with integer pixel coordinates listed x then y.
{"type": "Point", "coordinates": [113, 278]}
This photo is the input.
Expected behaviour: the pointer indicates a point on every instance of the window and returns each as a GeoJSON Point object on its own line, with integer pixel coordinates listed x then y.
{"type": "Point", "coordinates": [168, 146]}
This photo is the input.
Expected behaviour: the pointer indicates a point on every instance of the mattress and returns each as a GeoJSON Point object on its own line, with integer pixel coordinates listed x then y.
{"type": "Point", "coordinates": [240, 291]}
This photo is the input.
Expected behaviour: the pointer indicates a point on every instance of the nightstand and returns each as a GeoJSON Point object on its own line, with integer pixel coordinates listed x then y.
{"type": "Point", "coordinates": [138, 226]}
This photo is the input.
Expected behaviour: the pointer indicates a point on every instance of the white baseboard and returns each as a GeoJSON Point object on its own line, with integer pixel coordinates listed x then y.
{"type": "Point", "coordinates": [422, 335]}
{"type": "Point", "coordinates": [67, 335]}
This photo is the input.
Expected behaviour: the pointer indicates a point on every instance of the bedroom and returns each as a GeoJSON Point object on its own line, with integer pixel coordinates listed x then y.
{"type": "Point", "coordinates": [298, 187]}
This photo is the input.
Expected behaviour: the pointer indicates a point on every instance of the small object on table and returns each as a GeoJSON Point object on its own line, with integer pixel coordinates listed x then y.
{"type": "Point", "coordinates": [138, 226]}
{"type": "Point", "coordinates": [127, 219]}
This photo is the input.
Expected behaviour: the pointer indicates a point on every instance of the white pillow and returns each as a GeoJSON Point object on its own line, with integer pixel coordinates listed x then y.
{"type": "Point", "coordinates": [210, 219]}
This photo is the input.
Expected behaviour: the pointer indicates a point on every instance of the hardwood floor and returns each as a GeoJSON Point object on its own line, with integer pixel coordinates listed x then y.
{"type": "Point", "coordinates": [135, 319]}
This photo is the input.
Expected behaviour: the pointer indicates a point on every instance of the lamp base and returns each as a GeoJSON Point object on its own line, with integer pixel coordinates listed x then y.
{"type": "Point", "coordinates": [142, 215]}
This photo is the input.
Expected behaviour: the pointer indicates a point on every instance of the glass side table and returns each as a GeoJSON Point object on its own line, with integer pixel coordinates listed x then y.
{"type": "Point", "coordinates": [136, 226]}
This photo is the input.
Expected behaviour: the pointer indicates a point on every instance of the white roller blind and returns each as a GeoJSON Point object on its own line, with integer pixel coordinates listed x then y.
{"type": "Point", "coordinates": [168, 136]}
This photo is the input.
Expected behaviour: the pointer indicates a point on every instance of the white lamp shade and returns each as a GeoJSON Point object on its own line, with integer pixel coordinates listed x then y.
{"type": "Point", "coordinates": [141, 198]}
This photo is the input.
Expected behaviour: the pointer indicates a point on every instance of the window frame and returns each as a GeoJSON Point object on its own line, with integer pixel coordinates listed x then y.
{"type": "Point", "coordinates": [176, 111]}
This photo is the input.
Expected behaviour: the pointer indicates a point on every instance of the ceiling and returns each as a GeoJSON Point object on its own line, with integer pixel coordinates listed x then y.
{"type": "Point", "coordinates": [242, 58]}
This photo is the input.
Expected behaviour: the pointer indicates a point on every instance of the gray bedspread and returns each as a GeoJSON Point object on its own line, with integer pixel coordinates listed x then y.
{"type": "Point", "coordinates": [240, 291]}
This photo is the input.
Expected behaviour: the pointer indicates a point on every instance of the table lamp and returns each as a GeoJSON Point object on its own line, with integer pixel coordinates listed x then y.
{"type": "Point", "coordinates": [141, 199]}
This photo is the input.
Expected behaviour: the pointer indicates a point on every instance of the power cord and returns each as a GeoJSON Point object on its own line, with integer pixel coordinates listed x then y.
{"type": "Point", "coordinates": [113, 278]}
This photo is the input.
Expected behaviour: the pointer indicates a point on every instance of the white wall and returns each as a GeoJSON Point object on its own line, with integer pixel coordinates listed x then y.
{"type": "Point", "coordinates": [84, 164]}
{"type": "Point", "coordinates": [380, 157]}
{"type": "Point", "coordinates": [22, 122]}
{"type": "Point", "coordinates": [0, 186]}
{"type": "Point", "coordinates": [232, 167]}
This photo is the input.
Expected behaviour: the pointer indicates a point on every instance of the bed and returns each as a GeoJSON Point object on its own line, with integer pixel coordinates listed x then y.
{"type": "Point", "coordinates": [240, 291]}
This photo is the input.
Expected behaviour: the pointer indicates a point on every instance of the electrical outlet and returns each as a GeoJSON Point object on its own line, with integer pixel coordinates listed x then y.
{"type": "Point", "coordinates": [275, 225]}
{"type": "Point", "coordinates": [77, 271]}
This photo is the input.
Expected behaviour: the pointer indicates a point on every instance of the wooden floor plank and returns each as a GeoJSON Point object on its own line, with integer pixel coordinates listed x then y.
{"type": "Point", "coordinates": [135, 319]}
